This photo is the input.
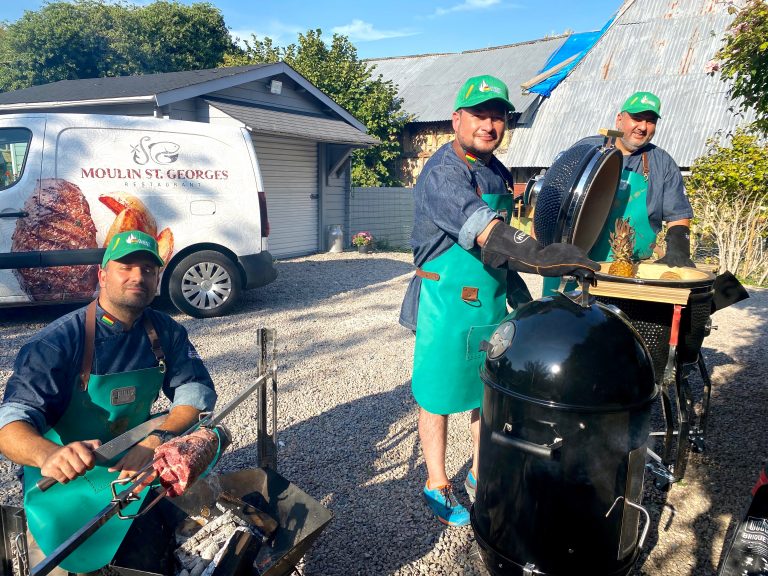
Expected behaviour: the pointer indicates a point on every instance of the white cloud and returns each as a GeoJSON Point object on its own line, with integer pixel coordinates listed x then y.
{"type": "Point", "coordinates": [467, 5]}
{"type": "Point", "coordinates": [282, 34]}
{"type": "Point", "coordinates": [359, 31]}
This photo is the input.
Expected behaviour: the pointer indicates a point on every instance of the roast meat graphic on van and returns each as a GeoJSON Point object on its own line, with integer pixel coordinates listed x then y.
{"type": "Point", "coordinates": [60, 219]}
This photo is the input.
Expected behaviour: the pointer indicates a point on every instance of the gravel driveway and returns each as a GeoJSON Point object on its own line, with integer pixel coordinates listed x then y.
{"type": "Point", "coordinates": [347, 421]}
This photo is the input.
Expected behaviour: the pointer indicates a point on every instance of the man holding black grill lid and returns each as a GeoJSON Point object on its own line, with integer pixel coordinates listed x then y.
{"type": "Point", "coordinates": [651, 190]}
{"type": "Point", "coordinates": [466, 253]}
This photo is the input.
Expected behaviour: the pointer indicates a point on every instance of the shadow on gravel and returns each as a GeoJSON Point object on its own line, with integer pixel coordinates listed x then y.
{"type": "Point", "coordinates": [717, 484]}
{"type": "Point", "coordinates": [380, 522]}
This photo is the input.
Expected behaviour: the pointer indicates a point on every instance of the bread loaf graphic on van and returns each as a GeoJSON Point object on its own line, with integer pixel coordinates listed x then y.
{"type": "Point", "coordinates": [59, 218]}
{"type": "Point", "coordinates": [132, 214]}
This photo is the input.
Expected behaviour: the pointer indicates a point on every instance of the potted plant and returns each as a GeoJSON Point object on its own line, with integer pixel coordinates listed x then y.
{"type": "Point", "coordinates": [363, 241]}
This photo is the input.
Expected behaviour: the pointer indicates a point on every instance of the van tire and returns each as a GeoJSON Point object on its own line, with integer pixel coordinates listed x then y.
{"type": "Point", "coordinates": [205, 284]}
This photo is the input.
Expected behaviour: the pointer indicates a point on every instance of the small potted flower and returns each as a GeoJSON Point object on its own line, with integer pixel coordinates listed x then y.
{"type": "Point", "coordinates": [363, 241]}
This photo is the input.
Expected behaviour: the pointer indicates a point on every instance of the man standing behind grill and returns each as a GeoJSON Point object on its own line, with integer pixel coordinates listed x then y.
{"type": "Point", "coordinates": [85, 379]}
{"type": "Point", "coordinates": [467, 259]}
{"type": "Point", "coordinates": [651, 189]}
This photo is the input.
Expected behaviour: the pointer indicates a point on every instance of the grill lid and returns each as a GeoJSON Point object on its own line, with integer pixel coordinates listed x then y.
{"type": "Point", "coordinates": [574, 196]}
{"type": "Point", "coordinates": [555, 352]}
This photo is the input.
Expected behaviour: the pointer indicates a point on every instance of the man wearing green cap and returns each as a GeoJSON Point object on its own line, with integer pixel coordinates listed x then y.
{"type": "Point", "coordinates": [651, 189]}
{"type": "Point", "coordinates": [467, 260]}
{"type": "Point", "coordinates": [88, 377]}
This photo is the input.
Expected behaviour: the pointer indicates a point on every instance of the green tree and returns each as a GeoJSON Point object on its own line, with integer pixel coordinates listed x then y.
{"type": "Point", "coordinates": [743, 58]}
{"type": "Point", "coordinates": [337, 71]}
{"type": "Point", "coordinates": [91, 38]}
{"type": "Point", "coordinates": [729, 192]}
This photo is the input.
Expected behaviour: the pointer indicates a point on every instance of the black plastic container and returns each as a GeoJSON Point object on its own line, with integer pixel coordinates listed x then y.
{"type": "Point", "coordinates": [566, 418]}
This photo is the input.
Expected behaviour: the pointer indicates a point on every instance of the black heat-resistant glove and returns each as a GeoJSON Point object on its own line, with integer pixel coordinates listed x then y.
{"type": "Point", "coordinates": [678, 247]}
{"type": "Point", "coordinates": [510, 248]}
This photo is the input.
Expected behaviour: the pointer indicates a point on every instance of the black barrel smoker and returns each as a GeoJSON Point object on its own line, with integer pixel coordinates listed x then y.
{"type": "Point", "coordinates": [565, 421]}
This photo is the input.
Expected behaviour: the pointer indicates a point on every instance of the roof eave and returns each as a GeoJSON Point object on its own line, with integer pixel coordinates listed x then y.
{"type": "Point", "coordinates": [70, 103]}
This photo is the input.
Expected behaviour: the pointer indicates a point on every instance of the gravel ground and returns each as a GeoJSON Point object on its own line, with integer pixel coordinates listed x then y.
{"type": "Point", "coordinates": [347, 420]}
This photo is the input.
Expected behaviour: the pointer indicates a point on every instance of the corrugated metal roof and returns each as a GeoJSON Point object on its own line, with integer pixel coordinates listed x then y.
{"type": "Point", "coordinates": [661, 46]}
{"type": "Point", "coordinates": [428, 84]}
{"type": "Point", "coordinates": [270, 121]}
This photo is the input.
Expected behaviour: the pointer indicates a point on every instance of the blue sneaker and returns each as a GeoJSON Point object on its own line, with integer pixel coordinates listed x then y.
{"type": "Point", "coordinates": [470, 485]}
{"type": "Point", "coordinates": [444, 505]}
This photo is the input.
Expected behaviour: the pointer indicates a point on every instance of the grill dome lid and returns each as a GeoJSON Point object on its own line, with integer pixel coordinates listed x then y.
{"type": "Point", "coordinates": [556, 352]}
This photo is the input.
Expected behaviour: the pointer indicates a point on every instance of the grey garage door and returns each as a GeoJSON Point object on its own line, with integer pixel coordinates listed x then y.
{"type": "Point", "coordinates": [289, 170]}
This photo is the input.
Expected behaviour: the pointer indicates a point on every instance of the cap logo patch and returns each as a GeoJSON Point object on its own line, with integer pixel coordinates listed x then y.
{"type": "Point", "coordinates": [650, 103]}
{"type": "Point", "coordinates": [134, 240]}
{"type": "Point", "coordinates": [485, 87]}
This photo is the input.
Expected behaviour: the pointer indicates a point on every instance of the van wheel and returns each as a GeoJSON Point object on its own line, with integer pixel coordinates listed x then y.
{"type": "Point", "coordinates": [205, 284]}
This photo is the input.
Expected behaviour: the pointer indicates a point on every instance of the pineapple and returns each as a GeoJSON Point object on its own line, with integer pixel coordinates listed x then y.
{"type": "Point", "coordinates": [622, 241]}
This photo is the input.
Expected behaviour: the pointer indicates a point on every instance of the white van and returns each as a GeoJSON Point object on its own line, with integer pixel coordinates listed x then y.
{"type": "Point", "coordinates": [68, 182]}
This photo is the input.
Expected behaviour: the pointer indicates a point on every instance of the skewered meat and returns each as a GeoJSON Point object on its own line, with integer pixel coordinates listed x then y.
{"type": "Point", "coordinates": [59, 219]}
{"type": "Point", "coordinates": [179, 462]}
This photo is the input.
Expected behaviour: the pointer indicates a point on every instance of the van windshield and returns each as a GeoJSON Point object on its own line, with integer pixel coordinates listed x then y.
{"type": "Point", "coordinates": [14, 143]}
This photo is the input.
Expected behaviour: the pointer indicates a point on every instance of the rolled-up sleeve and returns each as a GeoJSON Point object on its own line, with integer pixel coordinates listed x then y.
{"type": "Point", "coordinates": [188, 382]}
{"type": "Point", "coordinates": [453, 205]}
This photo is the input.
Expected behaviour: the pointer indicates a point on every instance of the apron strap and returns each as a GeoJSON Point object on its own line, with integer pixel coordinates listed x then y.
{"type": "Point", "coordinates": [90, 337]}
{"type": "Point", "coordinates": [428, 275]}
{"type": "Point", "coordinates": [154, 340]}
{"type": "Point", "coordinates": [646, 169]}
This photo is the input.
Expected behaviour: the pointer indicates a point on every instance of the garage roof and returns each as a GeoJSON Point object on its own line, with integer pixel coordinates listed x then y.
{"type": "Point", "coordinates": [304, 126]}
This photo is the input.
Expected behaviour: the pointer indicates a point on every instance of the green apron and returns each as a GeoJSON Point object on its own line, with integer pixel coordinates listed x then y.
{"type": "Point", "coordinates": [461, 302]}
{"type": "Point", "coordinates": [630, 202]}
{"type": "Point", "coordinates": [105, 407]}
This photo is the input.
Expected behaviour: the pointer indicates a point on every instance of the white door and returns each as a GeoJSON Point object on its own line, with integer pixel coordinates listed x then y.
{"type": "Point", "coordinates": [289, 171]}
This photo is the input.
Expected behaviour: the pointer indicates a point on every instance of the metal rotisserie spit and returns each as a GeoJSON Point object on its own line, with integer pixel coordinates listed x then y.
{"type": "Point", "coordinates": [563, 433]}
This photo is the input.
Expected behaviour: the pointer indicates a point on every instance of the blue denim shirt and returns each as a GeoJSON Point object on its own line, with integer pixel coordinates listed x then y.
{"type": "Point", "coordinates": [47, 368]}
{"type": "Point", "coordinates": [447, 211]}
{"type": "Point", "coordinates": [666, 199]}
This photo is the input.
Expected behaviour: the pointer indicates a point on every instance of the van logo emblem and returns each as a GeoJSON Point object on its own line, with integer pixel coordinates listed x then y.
{"type": "Point", "coordinates": [157, 152]}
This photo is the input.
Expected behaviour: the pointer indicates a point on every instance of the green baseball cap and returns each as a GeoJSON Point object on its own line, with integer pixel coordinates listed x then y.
{"type": "Point", "coordinates": [479, 89]}
{"type": "Point", "coordinates": [129, 242]}
{"type": "Point", "coordinates": [642, 102]}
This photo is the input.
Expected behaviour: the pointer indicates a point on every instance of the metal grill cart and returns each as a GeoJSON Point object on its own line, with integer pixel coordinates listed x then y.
{"type": "Point", "coordinates": [275, 522]}
{"type": "Point", "coordinates": [570, 204]}
{"type": "Point", "coordinates": [673, 318]}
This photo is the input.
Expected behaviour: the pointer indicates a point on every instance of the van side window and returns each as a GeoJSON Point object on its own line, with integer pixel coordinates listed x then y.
{"type": "Point", "coordinates": [14, 144]}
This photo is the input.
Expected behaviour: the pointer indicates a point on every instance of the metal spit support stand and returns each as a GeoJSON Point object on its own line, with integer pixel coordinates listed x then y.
{"type": "Point", "coordinates": [266, 440]}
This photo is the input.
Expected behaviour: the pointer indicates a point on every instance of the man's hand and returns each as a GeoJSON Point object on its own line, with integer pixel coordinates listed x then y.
{"type": "Point", "coordinates": [68, 462]}
{"type": "Point", "coordinates": [136, 458]}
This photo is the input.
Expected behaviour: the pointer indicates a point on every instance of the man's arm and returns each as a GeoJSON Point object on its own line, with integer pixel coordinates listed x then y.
{"type": "Point", "coordinates": [23, 444]}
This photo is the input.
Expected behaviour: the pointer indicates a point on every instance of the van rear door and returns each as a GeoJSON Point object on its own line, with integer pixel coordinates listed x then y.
{"type": "Point", "coordinates": [21, 154]}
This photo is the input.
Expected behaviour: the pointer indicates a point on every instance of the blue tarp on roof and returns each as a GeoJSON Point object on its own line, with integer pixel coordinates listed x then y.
{"type": "Point", "coordinates": [576, 44]}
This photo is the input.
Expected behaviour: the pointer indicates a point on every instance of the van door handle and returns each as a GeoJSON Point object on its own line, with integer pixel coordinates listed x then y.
{"type": "Point", "coordinates": [314, 196]}
{"type": "Point", "coordinates": [19, 214]}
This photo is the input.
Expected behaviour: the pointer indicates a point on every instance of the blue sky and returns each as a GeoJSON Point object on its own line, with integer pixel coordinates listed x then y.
{"type": "Point", "coordinates": [399, 27]}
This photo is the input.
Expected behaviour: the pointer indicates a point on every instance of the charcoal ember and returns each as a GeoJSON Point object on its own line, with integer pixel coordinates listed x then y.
{"type": "Point", "coordinates": [179, 462]}
{"type": "Point", "coordinates": [196, 553]}
{"type": "Point", "coordinates": [59, 219]}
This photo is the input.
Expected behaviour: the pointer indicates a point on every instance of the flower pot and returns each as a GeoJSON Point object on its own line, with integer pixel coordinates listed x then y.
{"type": "Point", "coordinates": [364, 248]}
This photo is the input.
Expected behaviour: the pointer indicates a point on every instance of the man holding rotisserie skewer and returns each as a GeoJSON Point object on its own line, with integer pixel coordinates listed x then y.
{"type": "Point", "coordinates": [468, 259]}
{"type": "Point", "coordinates": [90, 376]}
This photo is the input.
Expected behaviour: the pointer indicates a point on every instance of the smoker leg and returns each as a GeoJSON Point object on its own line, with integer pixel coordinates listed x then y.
{"type": "Point", "coordinates": [666, 407]}
{"type": "Point", "coordinates": [699, 432]}
{"type": "Point", "coordinates": [684, 413]}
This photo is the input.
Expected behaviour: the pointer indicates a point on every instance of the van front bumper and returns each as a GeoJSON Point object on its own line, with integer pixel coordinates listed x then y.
{"type": "Point", "coordinates": [259, 269]}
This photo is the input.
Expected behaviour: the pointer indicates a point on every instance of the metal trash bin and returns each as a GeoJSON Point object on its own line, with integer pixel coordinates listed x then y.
{"type": "Point", "coordinates": [563, 433]}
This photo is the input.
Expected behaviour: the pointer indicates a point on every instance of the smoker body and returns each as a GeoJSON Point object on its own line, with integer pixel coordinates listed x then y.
{"type": "Point", "coordinates": [565, 422]}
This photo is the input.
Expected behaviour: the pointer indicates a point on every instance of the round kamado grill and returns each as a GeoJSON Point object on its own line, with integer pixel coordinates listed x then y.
{"type": "Point", "coordinates": [565, 421]}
